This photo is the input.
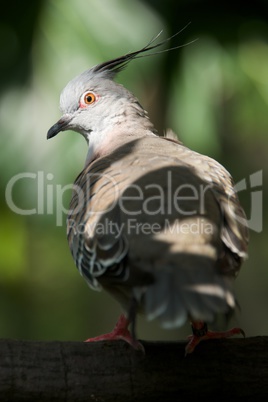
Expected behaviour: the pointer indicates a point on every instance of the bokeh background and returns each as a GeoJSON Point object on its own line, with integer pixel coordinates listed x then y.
{"type": "Point", "coordinates": [212, 93]}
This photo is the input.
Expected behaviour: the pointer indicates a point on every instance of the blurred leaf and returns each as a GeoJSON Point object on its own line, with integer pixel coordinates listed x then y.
{"type": "Point", "coordinates": [13, 240]}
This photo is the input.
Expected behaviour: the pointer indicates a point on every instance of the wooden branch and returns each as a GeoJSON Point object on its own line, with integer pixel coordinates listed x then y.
{"type": "Point", "coordinates": [113, 371]}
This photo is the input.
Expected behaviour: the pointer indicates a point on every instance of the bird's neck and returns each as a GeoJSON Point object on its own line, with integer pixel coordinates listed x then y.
{"type": "Point", "coordinates": [131, 124]}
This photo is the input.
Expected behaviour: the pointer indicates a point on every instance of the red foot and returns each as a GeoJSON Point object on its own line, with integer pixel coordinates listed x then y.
{"type": "Point", "coordinates": [120, 331]}
{"type": "Point", "coordinates": [201, 333]}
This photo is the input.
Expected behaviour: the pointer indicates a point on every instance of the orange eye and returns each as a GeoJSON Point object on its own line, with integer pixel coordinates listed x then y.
{"type": "Point", "coordinates": [89, 98]}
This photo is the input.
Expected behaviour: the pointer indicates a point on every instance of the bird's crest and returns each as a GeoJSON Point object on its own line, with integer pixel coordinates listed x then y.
{"type": "Point", "coordinates": [116, 65]}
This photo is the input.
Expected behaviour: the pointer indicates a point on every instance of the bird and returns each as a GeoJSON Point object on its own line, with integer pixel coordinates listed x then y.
{"type": "Point", "coordinates": [155, 224]}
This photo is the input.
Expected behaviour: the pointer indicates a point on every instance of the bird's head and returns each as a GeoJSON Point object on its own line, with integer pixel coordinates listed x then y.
{"type": "Point", "coordinates": [92, 102]}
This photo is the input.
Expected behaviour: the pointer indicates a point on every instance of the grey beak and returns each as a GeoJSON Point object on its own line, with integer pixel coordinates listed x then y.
{"type": "Point", "coordinates": [61, 125]}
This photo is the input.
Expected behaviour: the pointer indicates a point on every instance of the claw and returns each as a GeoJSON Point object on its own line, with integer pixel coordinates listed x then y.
{"type": "Point", "coordinates": [120, 332]}
{"type": "Point", "coordinates": [201, 333]}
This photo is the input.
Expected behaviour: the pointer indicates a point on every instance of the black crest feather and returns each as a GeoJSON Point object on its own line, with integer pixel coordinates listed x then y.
{"type": "Point", "coordinates": [116, 65]}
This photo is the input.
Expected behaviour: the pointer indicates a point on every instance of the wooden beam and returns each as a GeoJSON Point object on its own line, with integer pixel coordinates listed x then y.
{"type": "Point", "coordinates": [113, 371]}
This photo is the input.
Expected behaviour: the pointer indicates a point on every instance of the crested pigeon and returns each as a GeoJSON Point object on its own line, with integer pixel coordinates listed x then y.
{"type": "Point", "coordinates": [155, 224]}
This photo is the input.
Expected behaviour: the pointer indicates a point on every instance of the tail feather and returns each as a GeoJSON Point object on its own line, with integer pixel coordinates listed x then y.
{"type": "Point", "coordinates": [192, 289]}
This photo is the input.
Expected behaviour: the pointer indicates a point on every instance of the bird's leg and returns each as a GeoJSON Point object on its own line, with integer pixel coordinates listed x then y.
{"type": "Point", "coordinates": [201, 333]}
{"type": "Point", "coordinates": [120, 331]}
{"type": "Point", "coordinates": [132, 314]}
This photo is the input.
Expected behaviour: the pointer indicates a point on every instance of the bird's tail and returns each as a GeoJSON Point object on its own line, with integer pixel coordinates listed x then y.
{"type": "Point", "coordinates": [191, 289]}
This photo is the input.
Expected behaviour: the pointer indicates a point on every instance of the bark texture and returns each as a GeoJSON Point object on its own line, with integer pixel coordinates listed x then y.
{"type": "Point", "coordinates": [113, 371]}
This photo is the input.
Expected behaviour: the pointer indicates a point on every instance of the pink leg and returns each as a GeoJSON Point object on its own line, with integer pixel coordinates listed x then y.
{"type": "Point", "coordinates": [120, 331]}
{"type": "Point", "coordinates": [201, 333]}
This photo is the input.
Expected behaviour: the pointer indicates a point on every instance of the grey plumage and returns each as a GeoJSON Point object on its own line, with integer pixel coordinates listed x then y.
{"type": "Point", "coordinates": [150, 220]}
